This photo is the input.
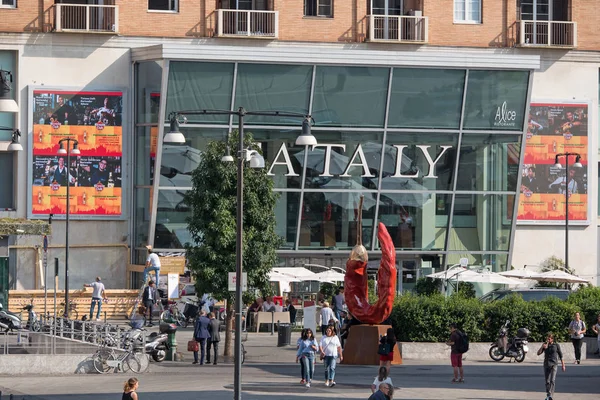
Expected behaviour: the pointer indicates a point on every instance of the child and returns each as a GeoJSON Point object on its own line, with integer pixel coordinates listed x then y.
{"type": "Point", "coordinates": [306, 355]}
{"type": "Point", "coordinates": [381, 378]}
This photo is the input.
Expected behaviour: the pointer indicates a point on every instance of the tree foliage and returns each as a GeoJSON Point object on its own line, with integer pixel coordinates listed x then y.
{"type": "Point", "coordinates": [213, 228]}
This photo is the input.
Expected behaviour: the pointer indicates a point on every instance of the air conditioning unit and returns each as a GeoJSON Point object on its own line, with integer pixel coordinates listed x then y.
{"type": "Point", "coordinates": [415, 13]}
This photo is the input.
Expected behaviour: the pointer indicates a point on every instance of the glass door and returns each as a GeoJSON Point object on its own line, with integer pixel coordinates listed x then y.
{"type": "Point", "coordinates": [538, 11]}
{"type": "Point", "coordinates": [386, 27]}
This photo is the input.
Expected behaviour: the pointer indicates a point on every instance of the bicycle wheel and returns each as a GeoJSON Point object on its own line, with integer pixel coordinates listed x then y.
{"type": "Point", "coordinates": [183, 322]}
{"type": "Point", "coordinates": [74, 314]}
{"type": "Point", "coordinates": [137, 362]}
{"type": "Point", "coordinates": [100, 359]}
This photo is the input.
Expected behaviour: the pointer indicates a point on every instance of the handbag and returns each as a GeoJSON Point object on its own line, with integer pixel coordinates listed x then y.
{"type": "Point", "coordinates": [193, 345]}
{"type": "Point", "coordinates": [384, 349]}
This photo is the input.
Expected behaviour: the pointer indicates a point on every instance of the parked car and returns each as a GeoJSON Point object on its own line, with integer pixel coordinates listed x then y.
{"type": "Point", "coordinates": [529, 294]}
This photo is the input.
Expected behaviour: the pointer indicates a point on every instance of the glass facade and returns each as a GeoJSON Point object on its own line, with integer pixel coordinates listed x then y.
{"type": "Point", "coordinates": [435, 152]}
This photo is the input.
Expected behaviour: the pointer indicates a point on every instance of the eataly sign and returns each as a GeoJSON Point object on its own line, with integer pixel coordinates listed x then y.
{"type": "Point", "coordinates": [358, 159]}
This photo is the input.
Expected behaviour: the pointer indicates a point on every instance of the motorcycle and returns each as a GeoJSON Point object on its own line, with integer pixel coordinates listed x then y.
{"type": "Point", "coordinates": [33, 323]}
{"type": "Point", "coordinates": [516, 347]}
{"type": "Point", "coordinates": [9, 321]}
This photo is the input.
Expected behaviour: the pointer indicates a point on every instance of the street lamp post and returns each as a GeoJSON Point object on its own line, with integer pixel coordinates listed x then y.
{"type": "Point", "coordinates": [256, 161]}
{"type": "Point", "coordinates": [61, 152]}
{"type": "Point", "coordinates": [567, 194]}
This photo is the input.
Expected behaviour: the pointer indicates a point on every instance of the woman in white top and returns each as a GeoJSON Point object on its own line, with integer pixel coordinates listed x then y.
{"type": "Point", "coordinates": [330, 348]}
{"type": "Point", "coordinates": [326, 316]}
{"type": "Point", "coordinates": [577, 329]}
{"type": "Point", "coordinates": [381, 378]}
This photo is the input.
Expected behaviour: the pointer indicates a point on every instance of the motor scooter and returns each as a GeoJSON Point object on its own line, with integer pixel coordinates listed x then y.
{"type": "Point", "coordinates": [156, 344]}
{"type": "Point", "coordinates": [516, 347]}
{"type": "Point", "coordinates": [9, 321]}
{"type": "Point", "coordinates": [33, 323]}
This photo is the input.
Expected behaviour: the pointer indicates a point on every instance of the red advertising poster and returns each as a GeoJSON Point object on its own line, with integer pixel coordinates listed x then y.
{"type": "Point", "coordinates": [555, 128]}
{"type": "Point", "coordinates": [94, 119]}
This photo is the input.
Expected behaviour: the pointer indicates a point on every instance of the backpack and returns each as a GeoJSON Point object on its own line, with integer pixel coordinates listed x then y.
{"type": "Point", "coordinates": [384, 349]}
{"type": "Point", "coordinates": [462, 346]}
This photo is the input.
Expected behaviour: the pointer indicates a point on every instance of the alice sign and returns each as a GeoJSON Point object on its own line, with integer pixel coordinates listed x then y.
{"type": "Point", "coordinates": [358, 159]}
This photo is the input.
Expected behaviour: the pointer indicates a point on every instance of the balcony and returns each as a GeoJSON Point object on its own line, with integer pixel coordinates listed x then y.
{"type": "Point", "coordinates": [248, 24]}
{"type": "Point", "coordinates": [86, 18]}
{"type": "Point", "coordinates": [551, 34]}
{"type": "Point", "coordinates": [398, 28]}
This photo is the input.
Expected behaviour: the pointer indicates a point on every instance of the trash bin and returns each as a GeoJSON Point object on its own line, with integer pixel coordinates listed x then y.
{"type": "Point", "coordinates": [284, 334]}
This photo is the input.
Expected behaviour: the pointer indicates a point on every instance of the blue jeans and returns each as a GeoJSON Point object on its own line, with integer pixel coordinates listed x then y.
{"type": "Point", "coordinates": [329, 367]}
{"type": "Point", "coordinates": [147, 271]}
{"type": "Point", "coordinates": [93, 305]}
{"type": "Point", "coordinates": [202, 345]}
{"type": "Point", "coordinates": [308, 361]}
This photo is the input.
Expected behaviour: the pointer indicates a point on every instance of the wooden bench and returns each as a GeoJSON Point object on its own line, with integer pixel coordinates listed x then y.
{"type": "Point", "coordinates": [271, 317]}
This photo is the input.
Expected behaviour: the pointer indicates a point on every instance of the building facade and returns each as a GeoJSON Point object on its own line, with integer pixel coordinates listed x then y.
{"type": "Point", "coordinates": [446, 115]}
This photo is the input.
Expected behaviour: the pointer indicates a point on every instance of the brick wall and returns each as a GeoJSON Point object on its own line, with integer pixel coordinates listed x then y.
{"type": "Point", "coordinates": [197, 18]}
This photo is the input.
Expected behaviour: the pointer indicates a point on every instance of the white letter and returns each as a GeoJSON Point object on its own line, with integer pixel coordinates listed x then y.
{"type": "Point", "coordinates": [397, 172]}
{"type": "Point", "coordinates": [327, 162]}
{"type": "Point", "coordinates": [363, 163]}
{"type": "Point", "coordinates": [287, 162]}
{"type": "Point", "coordinates": [432, 163]}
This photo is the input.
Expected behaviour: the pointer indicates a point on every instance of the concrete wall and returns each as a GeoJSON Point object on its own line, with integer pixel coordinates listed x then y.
{"type": "Point", "coordinates": [564, 81]}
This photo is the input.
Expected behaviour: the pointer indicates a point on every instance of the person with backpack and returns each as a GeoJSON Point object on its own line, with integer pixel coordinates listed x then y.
{"type": "Point", "coordinates": [458, 345]}
{"type": "Point", "coordinates": [386, 349]}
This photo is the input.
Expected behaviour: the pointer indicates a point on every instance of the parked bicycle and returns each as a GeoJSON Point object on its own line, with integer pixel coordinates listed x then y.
{"type": "Point", "coordinates": [172, 314]}
{"type": "Point", "coordinates": [107, 359]}
{"type": "Point", "coordinates": [73, 313]}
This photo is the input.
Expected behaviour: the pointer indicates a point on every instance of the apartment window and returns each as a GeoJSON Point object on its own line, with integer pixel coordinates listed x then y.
{"type": "Point", "coordinates": [163, 5]}
{"type": "Point", "coordinates": [318, 8]}
{"type": "Point", "coordinates": [467, 11]}
{"type": "Point", "coordinates": [8, 3]}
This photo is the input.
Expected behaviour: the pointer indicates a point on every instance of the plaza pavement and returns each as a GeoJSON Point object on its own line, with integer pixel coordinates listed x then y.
{"type": "Point", "coordinates": [270, 373]}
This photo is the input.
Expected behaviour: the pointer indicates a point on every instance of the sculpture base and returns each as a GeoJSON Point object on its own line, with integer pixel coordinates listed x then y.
{"type": "Point", "coordinates": [362, 344]}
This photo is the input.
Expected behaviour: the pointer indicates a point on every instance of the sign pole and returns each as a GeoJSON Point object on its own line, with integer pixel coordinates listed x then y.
{"type": "Point", "coordinates": [45, 276]}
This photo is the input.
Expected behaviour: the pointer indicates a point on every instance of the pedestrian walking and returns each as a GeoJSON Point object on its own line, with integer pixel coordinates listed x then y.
{"type": "Point", "coordinates": [577, 330]}
{"type": "Point", "coordinates": [302, 380]}
{"type": "Point", "coordinates": [150, 298]}
{"type": "Point", "coordinates": [382, 377]}
{"type": "Point", "coordinates": [201, 334]}
{"type": "Point", "coordinates": [326, 316]}
{"type": "Point", "coordinates": [98, 294]}
{"type": "Point", "coordinates": [385, 392]}
{"type": "Point", "coordinates": [306, 355]}
{"type": "Point", "coordinates": [152, 264]}
{"type": "Point", "coordinates": [552, 354]}
{"type": "Point", "coordinates": [338, 302]}
{"type": "Point", "coordinates": [331, 349]}
{"type": "Point", "coordinates": [456, 354]}
{"type": "Point", "coordinates": [214, 339]}
{"type": "Point", "coordinates": [596, 329]}
{"type": "Point", "coordinates": [131, 385]}
{"type": "Point", "coordinates": [386, 349]}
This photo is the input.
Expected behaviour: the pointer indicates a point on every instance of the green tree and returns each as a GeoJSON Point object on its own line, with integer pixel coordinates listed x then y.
{"type": "Point", "coordinates": [213, 228]}
{"type": "Point", "coordinates": [428, 286]}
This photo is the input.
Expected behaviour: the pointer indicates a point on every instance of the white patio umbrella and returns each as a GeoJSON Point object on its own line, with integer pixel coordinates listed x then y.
{"type": "Point", "coordinates": [294, 272]}
{"type": "Point", "coordinates": [487, 277]}
{"type": "Point", "coordinates": [522, 273]}
{"type": "Point", "coordinates": [558, 276]}
{"type": "Point", "coordinates": [275, 276]}
{"type": "Point", "coordinates": [446, 274]}
{"type": "Point", "coordinates": [328, 276]}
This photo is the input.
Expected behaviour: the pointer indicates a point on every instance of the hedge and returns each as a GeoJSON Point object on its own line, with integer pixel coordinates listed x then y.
{"type": "Point", "coordinates": [426, 318]}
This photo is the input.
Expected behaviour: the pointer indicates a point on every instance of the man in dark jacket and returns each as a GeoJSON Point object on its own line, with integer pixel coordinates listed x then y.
{"type": "Point", "coordinates": [150, 298]}
{"type": "Point", "coordinates": [552, 355]}
{"type": "Point", "coordinates": [385, 392]}
{"type": "Point", "coordinates": [201, 334]}
{"type": "Point", "coordinates": [214, 339]}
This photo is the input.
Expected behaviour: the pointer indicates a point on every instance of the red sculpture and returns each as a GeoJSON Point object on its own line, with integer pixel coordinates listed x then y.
{"type": "Point", "coordinates": [355, 281]}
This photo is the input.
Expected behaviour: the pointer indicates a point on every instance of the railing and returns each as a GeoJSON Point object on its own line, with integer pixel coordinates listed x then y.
{"type": "Point", "coordinates": [548, 34]}
{"type": "Point", "coordinates": [398, 28]}
{"type": "Point", "coordinates": [86, 18]}
{"type": "Point", "coordinates": [244, 23]}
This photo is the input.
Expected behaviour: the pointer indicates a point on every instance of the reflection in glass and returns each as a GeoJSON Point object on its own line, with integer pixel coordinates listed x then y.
{"type": "Point", "coordinates": [268, 87]}
{"type": "Point", "coordinates": [286, 215]}
{"type": "Point", "coordinates": [329, 219]}
{"type": "Point", "coordinates": [171, 226]}
{"type": "Point", "coordinates": [145, 154]}
{"type": "Point", "coordinates": [200, 86]}
{"type": "Point", "coordinates": [481, 222]}
{"type": "Point", "coordinates": [489, 262]}
{"type": "Point", "coordinates": [426, 162]}
{"type": "Point", "coordinates": [141, 215]}
{"type": "Point", "coordinates": [148, 79]}
{"type": "Point", "coordinates": [489, 162]}
{"type": "Point", "coordinates": [496, 100]}
{"type": "Point", "coordinates": [426, 98]}
{"type": "Point", "coordinates": [350, 96]}
{"type": "Point", "coordinates": [415, 220]}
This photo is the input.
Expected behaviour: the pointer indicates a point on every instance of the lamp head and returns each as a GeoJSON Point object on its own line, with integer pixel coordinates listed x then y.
{"type": "Point", "coordinates": [557, 164]}
{"type": "Point", "coordinates": [62, 151]}
{"type": "Point", "coordinates": [174, 136]}
{"type": "Point", "coordinates": [256, 160]}
{"type": "Point", "coordinates": [227, 156]}
{"type": "Point", "coordinates": [578, 162]}
{"type": "Point", "coordinates": [306, 138]}
{"type": "Point", "coordinates": [14, 144]}
{"type": "Point", "coordinates": [7, 104]}
{"type": "Point", "coordinates": [75, 150]}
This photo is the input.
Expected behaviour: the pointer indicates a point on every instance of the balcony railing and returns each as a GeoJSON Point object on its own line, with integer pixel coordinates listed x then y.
{"type": "Point", "coordinates": [87, 18]}
{"type": "Point", "coordinates": [560, 34]}
{"type": "Point", "coordinates": [248, 23]}
{"type": "Point", "coordinates": [398, 28]}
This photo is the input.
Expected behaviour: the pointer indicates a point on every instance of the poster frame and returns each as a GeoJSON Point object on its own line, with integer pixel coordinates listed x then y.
{"type": "Point", "coordinates": [125, 159]}
{"type": "Point", "coordinates": [566, 102]}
